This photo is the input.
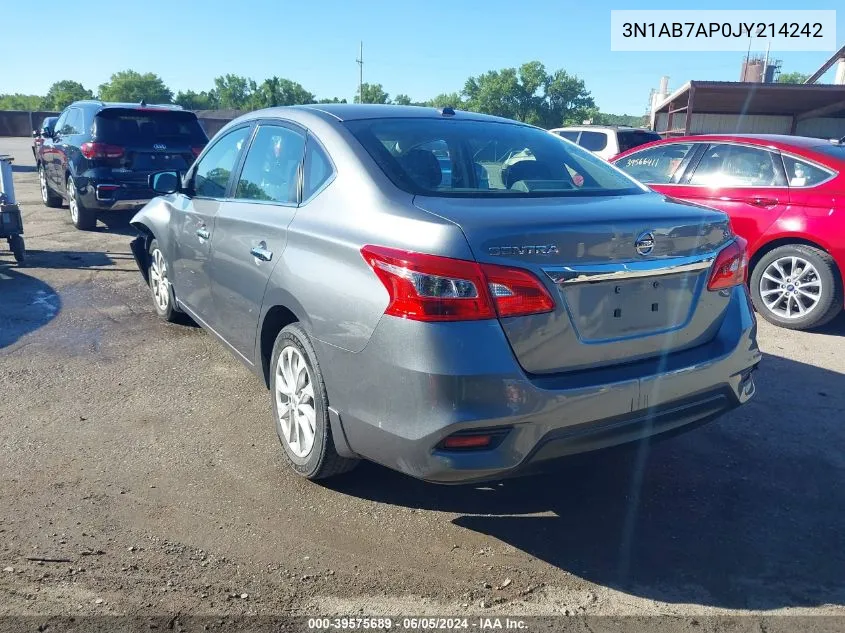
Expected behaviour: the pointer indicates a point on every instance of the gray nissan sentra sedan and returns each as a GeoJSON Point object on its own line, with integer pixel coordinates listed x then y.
{"type": "Point", "coordinates": [532, 303]}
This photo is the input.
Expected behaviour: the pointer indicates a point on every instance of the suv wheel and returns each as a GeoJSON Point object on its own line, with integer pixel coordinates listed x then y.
{"type": "Point", "coordinates": [82, 217]}
{"type": "Point", "coordinates": [300, 407]}
{"type": "Point", "coordinates": [49, 198]}
{"type": "Point", "coordinates": [797, 287]}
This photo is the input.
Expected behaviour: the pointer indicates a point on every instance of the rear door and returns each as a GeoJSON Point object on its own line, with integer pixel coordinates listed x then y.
{"type": "Point", "coordinates": [193, 216]}
{"type": "Point", "coordinates": [152, 139]}
{"type": "Point", "coordinates": [748, 183]}
{"type": "Point", "coordinates": [250, 231]}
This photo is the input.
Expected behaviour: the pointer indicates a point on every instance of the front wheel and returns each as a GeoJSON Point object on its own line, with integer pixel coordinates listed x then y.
{"type": "Point", "coordinates": [300, 407]}
{"type": "Point", "coordinates": [797, 287]}
{"type": "Point", "coordinates": [158, 274]}
{"type": "Point", "coordinates": [82, 217]}
{"type": "Point", "coordinates": [18, 249]}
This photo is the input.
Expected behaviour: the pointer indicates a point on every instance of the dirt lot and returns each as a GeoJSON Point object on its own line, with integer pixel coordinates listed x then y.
{"type": "Point", "coordinates": [142, 457]}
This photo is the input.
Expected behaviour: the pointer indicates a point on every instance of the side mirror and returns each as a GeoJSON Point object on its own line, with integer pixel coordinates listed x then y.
{"type": "Point", "coordinates": [35, 133]}
{"type": "Point", "coordinates": [164, 182]}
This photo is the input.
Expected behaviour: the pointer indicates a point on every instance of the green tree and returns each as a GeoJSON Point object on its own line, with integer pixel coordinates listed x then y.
{"type": "Point", "coordinates": [19, 101]}
{"type": "Point", "coordinates": [402, 100]}
{"type": "Point", "coordinates": [332, 100]}
{"type": "Point", "coordinates": [279, 92]}
{"type": "Point", "coordinates": [234, 92]}
{"type": "Point", "coordinates": [529, 94]}
{"type": "Point", "coordinates": [191, 100]}
{"type": "Point", "coordinates": [132, 87]}
{"type": "Point", "coordinates": [373, 93]}
{"type": "Point", "coordinates": [451, 99]}
{"type": "Point", "coordinates": [62, 93]}
{"type": "Point", "coordinates": [792, 78]}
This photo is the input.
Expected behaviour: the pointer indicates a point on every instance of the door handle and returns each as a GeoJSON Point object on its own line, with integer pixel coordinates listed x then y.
{"type": "Point", "coordinates": [765, 203]}
{"type": "Point", "coordinates": [261, 252]}
{"type": "Point", "coordinates": [203, 233]}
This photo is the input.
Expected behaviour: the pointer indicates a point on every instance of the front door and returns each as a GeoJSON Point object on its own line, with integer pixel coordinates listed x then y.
{"type": "Point", "coordinates": [250, 232]}
{"type": "Point", "coordinates": [193, 216]}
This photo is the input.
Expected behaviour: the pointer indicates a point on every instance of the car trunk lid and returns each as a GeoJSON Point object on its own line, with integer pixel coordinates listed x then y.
{"type": "Point", "coordinates": [628, 273]}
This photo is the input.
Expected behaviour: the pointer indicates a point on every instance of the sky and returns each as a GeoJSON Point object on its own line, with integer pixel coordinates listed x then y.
{"type": "Point", "coordinates": [419, 48]}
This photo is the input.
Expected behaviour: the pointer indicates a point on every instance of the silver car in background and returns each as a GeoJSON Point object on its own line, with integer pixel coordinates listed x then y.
{"type": "Point", "coordinates": [532, 303]}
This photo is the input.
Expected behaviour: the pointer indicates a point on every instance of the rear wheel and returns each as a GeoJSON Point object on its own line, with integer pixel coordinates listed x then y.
{"type": "Point", "coordinates": [300, 407]}
{"type": "Point", "coordinates": [18, 249]}
{"type": "Point", "coordinates": [797, 287]}
{"type": "Point", "coordinates": [82, 217]}
{"type": "Point", "coordinates": [49, 198]}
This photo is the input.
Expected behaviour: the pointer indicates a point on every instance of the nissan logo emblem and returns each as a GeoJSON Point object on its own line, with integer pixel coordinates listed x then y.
{"type": "Point", "coordinates": [645, 243]}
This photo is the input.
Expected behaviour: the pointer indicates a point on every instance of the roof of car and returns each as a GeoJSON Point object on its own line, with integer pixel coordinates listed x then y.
{"type": "Point", "coordinates": [356, 111]}
{"type": "Point", "coordinates": [586, 126]}
{"type": "Point", "coordinates": [133, 106]}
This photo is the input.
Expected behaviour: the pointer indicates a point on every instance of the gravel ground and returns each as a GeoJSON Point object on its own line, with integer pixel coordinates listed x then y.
{"type": "Point", "coordinates": [141, 475]}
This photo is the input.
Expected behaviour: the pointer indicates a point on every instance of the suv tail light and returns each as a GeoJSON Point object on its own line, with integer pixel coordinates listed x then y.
{"type": "Point", "coordinates": [433, 288]}
{"type": "Point", "coordinates": [730, 267]}
{"type": "Point", "coordinates": [101, 150]}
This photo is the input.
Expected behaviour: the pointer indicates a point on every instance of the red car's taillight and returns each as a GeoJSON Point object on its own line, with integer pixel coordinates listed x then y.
{"type": "Point", "coordinates": [433, 288]}
{"type": "Point", "coordinates": [100, 150]}
{"type": "Point", "coordinates": [197, 150]}
{"type": "Point", "coordinates": [731, 266]}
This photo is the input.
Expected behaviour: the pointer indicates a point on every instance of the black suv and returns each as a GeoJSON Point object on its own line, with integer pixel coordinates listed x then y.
{"type": "Point", "coordinates": [99, 155]}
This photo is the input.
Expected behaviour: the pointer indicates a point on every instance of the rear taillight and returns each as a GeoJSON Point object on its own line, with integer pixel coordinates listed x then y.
{"type": "Point", "coordinates": [196, 151]}
{"type": "Point", "coordinates": [433, 288]}
{"type": "Point", "coordinates": [101, 150]}
{"type": "Point", "coordinates": [730, 267]}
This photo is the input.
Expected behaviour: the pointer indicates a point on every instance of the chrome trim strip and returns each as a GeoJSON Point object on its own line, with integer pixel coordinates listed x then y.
{"type": "Point", "coordinates": [594, 273]}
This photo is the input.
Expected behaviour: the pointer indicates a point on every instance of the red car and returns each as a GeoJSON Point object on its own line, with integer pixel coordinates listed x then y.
{"type": "Point", "coordinates": [784, 194]}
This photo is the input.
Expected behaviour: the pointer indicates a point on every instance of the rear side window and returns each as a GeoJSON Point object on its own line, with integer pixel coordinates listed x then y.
{"type": "Point", "coordinates": [121, 126]}
{"type": "Point", "coordinates": [593, 141]}
{"type": "Point", "coordinates": [630, 139]}
{"type": "Point", "coordinates": [318, 169]}
{"type": "Point", "coordinates": [656, 165]}
{"type": "Point", "coordinates": [726, 165]}
{"type": "Point", "coordinates": [271, 168]}
{"type": "Point", "coordinates": [803, 174]}
{"type": "Point", "coordinates": [569, 136]}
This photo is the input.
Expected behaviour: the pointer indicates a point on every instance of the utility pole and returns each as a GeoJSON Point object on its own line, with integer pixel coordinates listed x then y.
{"type": "Point", "coordinates": [360, 61]}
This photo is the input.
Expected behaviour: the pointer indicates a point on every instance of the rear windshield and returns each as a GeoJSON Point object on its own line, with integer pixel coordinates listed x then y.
{"type": "Point", "coordinates": [635, 138]}
{"type": "Point", "coordinates": [447, 157]}
{"type": "Point", "coordinates": [145, 127]}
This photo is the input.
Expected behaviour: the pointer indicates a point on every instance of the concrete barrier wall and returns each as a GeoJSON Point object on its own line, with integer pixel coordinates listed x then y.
{"type": "Point", "coordinates": [21, 122]}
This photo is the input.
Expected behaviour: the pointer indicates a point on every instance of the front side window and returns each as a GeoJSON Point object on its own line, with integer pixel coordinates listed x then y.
{"type": "Point", "coordinates": [484, 159]}
{"type": "Point", "coordinates": [271, 168]}
{"type": "Point", "coordinates": [656, 165]}
{"type": "Point", "coordinates": [725, 165]}
{"type": "Point", "coordinates": [593, 141]}
{"type": "Point", "coordinates": [213, 170]}
{"type": "Point", "coordinates": [803, 174]}
{"type": "Point", "coordinates": [73, 122]}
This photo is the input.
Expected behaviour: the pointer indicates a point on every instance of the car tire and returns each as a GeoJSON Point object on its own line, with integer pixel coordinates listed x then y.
{"type": "Point", "coordinates": [818, 287]}
{"type": "Point", "coordinates": [83, 218]}
{"type": "Point", "coordinates": [164, 299]}
{"type": "Point", "coordinates": [296, 385]}
{"type": "Point", "coordinates": [16, 244]}
{"type": "Point", "coordinates": [48, 197]}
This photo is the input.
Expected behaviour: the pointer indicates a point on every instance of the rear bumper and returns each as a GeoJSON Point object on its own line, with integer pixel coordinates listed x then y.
{"type": "Point", "coordinates": [109, 194]}
{"type": "Point", "coordinates": [411, 388]}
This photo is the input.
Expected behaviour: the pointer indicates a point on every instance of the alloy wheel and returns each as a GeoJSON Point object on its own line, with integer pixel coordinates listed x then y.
{"type": "Point", "coordinates": [159, 281]}
{"type": "Point", "coordinates": [790, 287]}
{"type": "Point", "coordinates": [72, 204]}
{"type": "Point", "coordinates": [295, 401]}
